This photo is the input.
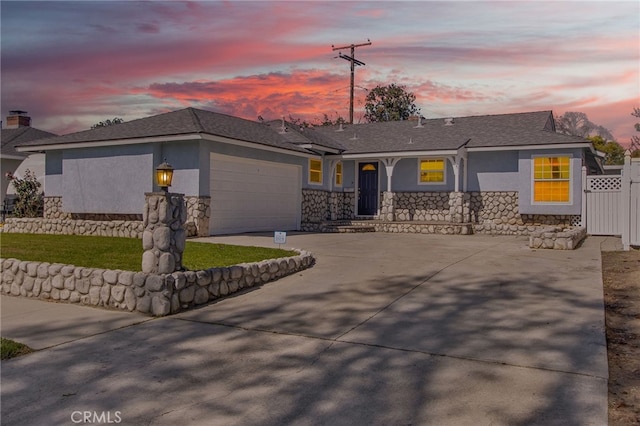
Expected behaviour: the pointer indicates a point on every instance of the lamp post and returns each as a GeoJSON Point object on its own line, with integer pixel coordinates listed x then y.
{"type": "Point", "coordinates": [164, 175]}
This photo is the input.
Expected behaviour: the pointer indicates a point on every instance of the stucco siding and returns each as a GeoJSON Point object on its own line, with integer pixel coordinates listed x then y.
{"type": "Point", "coordinates": [184, 158]}
{"type": "Point", "coordinates": [492, 171]}
{"type": "Point", "coordinates": [106, 179]}
{"type": "Point", "coordinates": [405, 178]}
{"type": "Point", "coordinates": [348, 176]}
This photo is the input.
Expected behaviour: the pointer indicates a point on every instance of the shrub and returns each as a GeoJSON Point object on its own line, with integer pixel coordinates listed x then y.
{"type": "Point", "coordinates": [29, 196]}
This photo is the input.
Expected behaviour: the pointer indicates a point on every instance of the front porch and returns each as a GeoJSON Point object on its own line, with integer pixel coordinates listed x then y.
{"type": "Point", "coordinates": [451, 213]}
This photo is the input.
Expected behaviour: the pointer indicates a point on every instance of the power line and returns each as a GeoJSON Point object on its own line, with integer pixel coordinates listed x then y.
{"type": "Point", "coordinates": [352, 59]}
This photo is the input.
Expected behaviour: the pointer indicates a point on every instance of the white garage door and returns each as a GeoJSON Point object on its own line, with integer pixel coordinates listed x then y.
{"type": "Point", "coordinates": [253, 195]}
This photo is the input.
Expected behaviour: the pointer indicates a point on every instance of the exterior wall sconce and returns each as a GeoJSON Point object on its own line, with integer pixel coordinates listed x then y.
{"type": "Point", "coordinates": [164, 175]}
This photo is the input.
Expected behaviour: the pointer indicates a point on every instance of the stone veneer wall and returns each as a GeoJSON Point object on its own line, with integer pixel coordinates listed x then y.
{"type": "Point", "coordinates": [152, 294]}
{"type": "Point", "coordinates": [422, 206]}
{"type": "Point", "coordinates": [488, 212]}
{"type": "Point", "coordinates": [107, 224]}
{"type": "Point", "coordinates": [198, 215]}
{"type": "Point", "coordinates": [497, 213]}
{"type": "Point", "coordinates": [53, 209]}
{"type": "Point", "coordinates": [320, 205]}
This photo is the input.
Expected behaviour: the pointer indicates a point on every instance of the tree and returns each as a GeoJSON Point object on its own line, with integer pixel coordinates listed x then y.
{"type": "Point", "coordinates": [29, 197]}
{"type": "Point", "coordinates": [299, 122]}
{"type": "Point", "coordinates": [390, 103]}
{"type": "Point", "coordinates": [105, 123]}
{"type": "Point", "coordinates": [327, 121]}
{"type": "Point", "coordinates": [614, 152]}
{"type": "Point", "coordinates": [578, 124]}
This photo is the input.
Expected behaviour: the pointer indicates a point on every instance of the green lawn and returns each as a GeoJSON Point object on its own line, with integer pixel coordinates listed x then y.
{"type": "Point", "coordinates": [123, 253]}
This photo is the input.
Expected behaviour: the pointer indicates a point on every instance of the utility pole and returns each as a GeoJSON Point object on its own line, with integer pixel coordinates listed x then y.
{"type": "Point", "coordinates": [354, 62]}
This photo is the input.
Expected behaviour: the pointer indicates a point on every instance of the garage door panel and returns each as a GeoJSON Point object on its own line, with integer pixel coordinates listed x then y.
{"type": "Point", "coordinates": [253, 195]}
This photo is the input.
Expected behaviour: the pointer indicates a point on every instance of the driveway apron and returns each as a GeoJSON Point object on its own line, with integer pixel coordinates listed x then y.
{"type": "Point", "coordinates": [384, 329]}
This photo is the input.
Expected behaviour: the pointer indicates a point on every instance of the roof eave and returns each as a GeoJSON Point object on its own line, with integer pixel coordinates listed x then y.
{"type": "Point", "coordinates": [398, 154]}
{"type": "Point", "coordinates": [527, 147]}
{"type": "Point", "coordinates": [256, 145]}
{"type": "Point", "coordinates": [321, 148]}
{"type": "Point", "coordinates": [13, 157]}
{"type": "Point", "coordinates": [108, 142]}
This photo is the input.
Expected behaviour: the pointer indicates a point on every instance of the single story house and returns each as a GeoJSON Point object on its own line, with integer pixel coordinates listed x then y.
{"type": "Point", "coordinates": [17, 131]}
{"type": "Point", "coordinates": [494, 173]}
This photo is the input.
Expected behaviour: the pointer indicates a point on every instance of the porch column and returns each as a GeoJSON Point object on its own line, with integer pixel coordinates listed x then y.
{"type": "Point", "coordinates": [332, 201]}
{"type": "Point", "coordinates": [459, 159]}
{"type": "Point", "coordinates": [388, 208]}
{"type": "Point", "coordinates": [164, 235]}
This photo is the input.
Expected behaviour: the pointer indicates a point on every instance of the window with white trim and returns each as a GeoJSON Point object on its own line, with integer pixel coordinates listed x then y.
{"type": "Point", "coordinates": [338, 181]}
{"type": "Point", "coordinates": [315, 171]}
{"type": "Point", "coordinates": [552, 179]}
{"type": "Point", "coordinates": [431, 171]}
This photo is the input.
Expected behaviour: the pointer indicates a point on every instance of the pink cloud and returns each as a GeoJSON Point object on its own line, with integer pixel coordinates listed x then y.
{"type": "Point", "coordinates": [305, 94]}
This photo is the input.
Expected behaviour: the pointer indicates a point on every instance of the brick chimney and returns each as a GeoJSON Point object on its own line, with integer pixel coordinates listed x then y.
{"type": "Point", "coordinates": [17, 119]}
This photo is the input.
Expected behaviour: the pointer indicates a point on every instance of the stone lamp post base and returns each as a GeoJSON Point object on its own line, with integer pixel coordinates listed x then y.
{"type": "Point", "coordinates": [164, 235]}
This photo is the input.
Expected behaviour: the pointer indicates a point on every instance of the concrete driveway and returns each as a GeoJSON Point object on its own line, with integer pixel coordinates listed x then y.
{"type": "Point", "coordinates": [385, 329]}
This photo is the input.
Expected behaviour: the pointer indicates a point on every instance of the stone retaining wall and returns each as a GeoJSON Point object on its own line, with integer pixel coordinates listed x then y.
{"type": "Point", "coordinates": [557, 238]}
{"type": "Point", "coordinates": [151, 294]}
{"type": "Point", "coordinates": [113, 228]}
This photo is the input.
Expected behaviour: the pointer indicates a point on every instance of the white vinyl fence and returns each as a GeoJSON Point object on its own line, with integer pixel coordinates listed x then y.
{"type": "Point", "coordinates": [611, 203]}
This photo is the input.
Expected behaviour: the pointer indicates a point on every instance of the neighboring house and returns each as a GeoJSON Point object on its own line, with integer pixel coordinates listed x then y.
{"type": "Point", "coordinates": [18, 130]}
{"type": "Point", "coordinates": [496, 173]}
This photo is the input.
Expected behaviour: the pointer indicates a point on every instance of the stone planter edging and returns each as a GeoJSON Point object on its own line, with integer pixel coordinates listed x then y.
{"type": "Point", "coordinates": [151, 294]}
{"type": "Point", "coordinates": [557, 238]}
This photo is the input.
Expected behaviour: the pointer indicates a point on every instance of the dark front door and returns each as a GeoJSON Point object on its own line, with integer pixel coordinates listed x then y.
{"type": "Point", "coordinates": [368, 189]}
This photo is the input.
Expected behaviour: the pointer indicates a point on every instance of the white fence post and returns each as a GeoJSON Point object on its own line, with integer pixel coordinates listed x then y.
{"type": "Point", "coordinates": [626, 201]}
{"type": "Point", "coordinates": [583, 211]}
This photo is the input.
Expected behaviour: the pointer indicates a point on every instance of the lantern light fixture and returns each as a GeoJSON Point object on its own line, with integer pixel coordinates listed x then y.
{"type": "Point", "coordinates": [164, 175]}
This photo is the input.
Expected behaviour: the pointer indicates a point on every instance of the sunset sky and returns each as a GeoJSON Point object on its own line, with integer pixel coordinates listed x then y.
{"type": "Point", "coordinates": [72, 64]}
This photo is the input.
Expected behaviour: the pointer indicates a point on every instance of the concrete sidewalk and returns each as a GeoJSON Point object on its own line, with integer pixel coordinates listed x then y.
{"type": "Point", "coordinates": [384, 329]}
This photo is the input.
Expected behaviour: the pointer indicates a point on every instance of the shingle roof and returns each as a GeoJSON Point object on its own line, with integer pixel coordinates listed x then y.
{"type": "Point", "coordinates": [20, 135]}
{"type": "Point", "coordinates": [533, 128]}
{"type": "Point", "coordinates": [304, 135]}
{"type": "Point", "coordinates": [182, 122]}
{"type": "Point", "coordinates": [505, 130]}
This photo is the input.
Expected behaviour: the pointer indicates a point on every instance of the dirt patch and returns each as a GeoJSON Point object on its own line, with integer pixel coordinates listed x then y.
{"type": "Point", "coordinates": [621, 277]}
